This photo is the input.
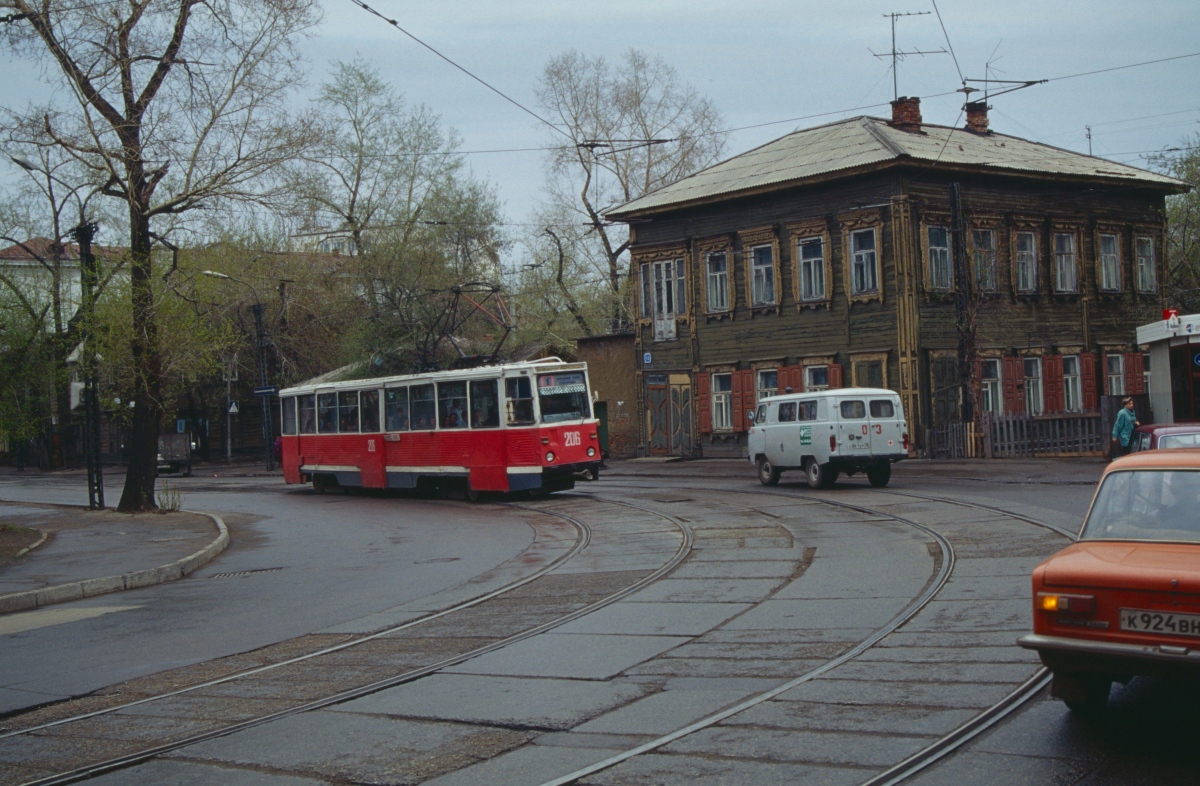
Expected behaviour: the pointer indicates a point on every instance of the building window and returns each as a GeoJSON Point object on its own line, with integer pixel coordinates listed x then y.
{"type": "Point", "coordinates": [816, 378]}
{"type": "Point", "coordinates": [1033, 386]}
{"type": "Point", "coordinates": [1110, 264]}
{"type": "Point", "coordinates": [1064, 262]}
{"type": "Point", "coordinates": [811, 253]}
{"type": "Point", "coordinates": [1072, 392]}
{"type": "Point", "coordinates": [990, 384]}
{"type": "Point", "coordinates": [868, 373]}
{"type": "Point", "coordinates": [716, 264]}
{"type": "Point", "coordinates": [768, 382]}
{"type": "Point", "coordinates": [762, 273]}
{"type": "Point", "coordinates": [984, 242]}
{"type": "Point", "coordinates": [1146, 373]}
{"type": "Point", "coordinates": [1027, 278]}
{"type": "Point", "coordinates": [939, 257]}
{"type": "Point", "coordinates": [1146, 274]}
{"type": "Point", "coordinates": [864, 272]}
{"type": "Point", "coordinates": [664, 295]}
{"type": "Point", "coordinates": [1115, 367]}
{"type": "Point", "coordinates": [722, 402]}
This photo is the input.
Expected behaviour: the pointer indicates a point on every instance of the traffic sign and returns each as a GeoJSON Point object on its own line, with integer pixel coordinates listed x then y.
{"type": "Point", "coordinates": [233, 407]}
{"type": "Point", "coordinates": [266, 390]}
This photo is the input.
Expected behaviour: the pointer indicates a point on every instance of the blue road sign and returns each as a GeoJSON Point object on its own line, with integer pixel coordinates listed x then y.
{"type": "Point", "coordinates": [266, 390]}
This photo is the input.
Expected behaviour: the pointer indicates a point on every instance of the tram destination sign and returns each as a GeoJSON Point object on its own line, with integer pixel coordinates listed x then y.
{"type": "Point", "coordinates": [266, 390]}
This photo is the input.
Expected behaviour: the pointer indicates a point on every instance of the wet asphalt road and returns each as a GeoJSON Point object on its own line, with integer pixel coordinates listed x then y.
{"type": "Point", "coordinates": [1143, 739]}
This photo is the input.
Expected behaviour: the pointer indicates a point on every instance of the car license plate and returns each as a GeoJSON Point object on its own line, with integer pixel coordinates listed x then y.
{"type": "Point", "coordinates": [1145, 621]}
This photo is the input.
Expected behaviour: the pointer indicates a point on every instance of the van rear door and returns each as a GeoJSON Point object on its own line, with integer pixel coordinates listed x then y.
{"type": "Point", "coordinates": [886, 425]}
{"type": "Point", "coordinates": [853, 428]}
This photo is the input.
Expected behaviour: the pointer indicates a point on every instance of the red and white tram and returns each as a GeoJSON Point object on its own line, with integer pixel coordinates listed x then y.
{"type": "Point", "coordinates": [512, 427]}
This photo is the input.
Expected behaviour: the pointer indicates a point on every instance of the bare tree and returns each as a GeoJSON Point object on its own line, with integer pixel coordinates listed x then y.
{"type": "Point", "coordinates": [1182, 285]}
{"type": "Point", "coordinates": [635, 128]}
{"type": "Point", "coordinates": [177, 103]}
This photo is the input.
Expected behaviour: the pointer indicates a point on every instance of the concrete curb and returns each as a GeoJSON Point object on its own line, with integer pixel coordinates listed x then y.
{"type": "Point", "coordinates": [32, 599]}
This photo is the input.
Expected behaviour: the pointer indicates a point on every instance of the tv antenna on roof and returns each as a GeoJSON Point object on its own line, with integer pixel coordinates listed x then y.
{"type": "Point", "coordinates": [897, 54]}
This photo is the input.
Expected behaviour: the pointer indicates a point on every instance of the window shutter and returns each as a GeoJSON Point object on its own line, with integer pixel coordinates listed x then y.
{"type": "Point", "coordinates": [1052, 372]}
{"type": "Point", "coordinates": [795, 376]}
{"type": "Point", "coordinates": [738, 416]}
{"type": "Point", "coordinates": [1014, 374]}
{"type": "Point", "coordinates": [749, 393]}
{"type": "Point", "coordinates": [1135, 381]}
{"type": "Point", "coordinates": [1087, 381]}
{"type": "Point", "coordinates": [835, 375]}
{"type": "Point", "coordinates": [704, 401]}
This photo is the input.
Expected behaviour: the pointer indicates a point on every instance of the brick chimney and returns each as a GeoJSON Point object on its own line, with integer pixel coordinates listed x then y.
{"type": "Point", "coordinates": [906, 113]}
{"type": "Point", "coordinates": [977, 119]}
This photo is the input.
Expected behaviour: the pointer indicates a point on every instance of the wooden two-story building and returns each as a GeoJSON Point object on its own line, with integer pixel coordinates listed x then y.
{"type": "Point", "coordinates": [828, 257]}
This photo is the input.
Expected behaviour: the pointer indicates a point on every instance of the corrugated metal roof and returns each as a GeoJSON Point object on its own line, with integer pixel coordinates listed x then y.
{"type": "Point", "coordinates": [863, 141]}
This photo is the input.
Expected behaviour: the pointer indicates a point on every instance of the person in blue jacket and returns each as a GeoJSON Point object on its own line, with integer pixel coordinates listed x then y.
{"type": "Point", "coordinates": [1122, 432]}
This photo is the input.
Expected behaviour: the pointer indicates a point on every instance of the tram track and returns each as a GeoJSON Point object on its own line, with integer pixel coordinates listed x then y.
{"type": "Point", "coordinates": [922, 759]}
{"type": "Point", "coordinates": [585, 538]}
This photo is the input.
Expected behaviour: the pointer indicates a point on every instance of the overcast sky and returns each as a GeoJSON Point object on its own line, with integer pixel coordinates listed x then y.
{"type": "Point", "coordinates": [762, 61]}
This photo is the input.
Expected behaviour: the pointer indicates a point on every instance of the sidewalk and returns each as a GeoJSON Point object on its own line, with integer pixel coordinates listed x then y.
{"type": "Point", "coordinates": [90, 552]}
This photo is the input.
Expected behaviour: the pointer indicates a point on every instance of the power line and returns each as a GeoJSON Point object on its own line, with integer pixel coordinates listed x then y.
{"type": "Point", "coordinates": [495, 90]}
{"type": "Point", "coordinates": [1121, 67]}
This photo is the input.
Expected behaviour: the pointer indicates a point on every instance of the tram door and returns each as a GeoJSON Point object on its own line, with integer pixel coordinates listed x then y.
{"type": "Point", "coordinates": [669, 414]}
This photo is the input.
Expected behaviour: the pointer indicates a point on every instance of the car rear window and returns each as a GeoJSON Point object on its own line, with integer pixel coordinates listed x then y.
{"type": "Point", "coordinates": [1146, 505]}
{"type": "Point", "coordinates": [882, 409]}
{"type": "Point", "coordinates": [1179, 440]}
{"type": "Point", "coordinates": [853, 409]}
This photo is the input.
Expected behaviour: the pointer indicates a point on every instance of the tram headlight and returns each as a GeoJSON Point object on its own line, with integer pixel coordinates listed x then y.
{"type": "Point", "coordinates": [591, 452]}
{"type": "Point", "coordinates": [549, 455]}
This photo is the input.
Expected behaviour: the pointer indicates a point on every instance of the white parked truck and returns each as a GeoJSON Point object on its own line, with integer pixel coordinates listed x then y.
{"type": "Point", "coordinates": [827, 433]}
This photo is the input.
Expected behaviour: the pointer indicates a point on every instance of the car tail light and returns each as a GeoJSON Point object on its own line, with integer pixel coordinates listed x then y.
{"type": "Point", "coordinates": [905, 440]}
{"type": "Point", "coordinates": [1075, 604]}
{"type": "Point", "coordinates": [832, 442]}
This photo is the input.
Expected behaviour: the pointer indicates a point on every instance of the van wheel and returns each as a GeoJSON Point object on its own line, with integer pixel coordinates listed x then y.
{"type": "Point", "coordinates": [879, 475]}
{"type": "Point", "coordinates": [820, 476]}
{"type": "Point", "coordinates": [768, 474]}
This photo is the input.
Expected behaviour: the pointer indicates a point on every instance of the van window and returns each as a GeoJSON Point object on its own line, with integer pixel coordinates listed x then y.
{"type": "Point", "coordinates": [852, 410]}
{"type": "Point", "coordinates": [808, 410]}
{"type": "Point", "coordinates": [787, 412]}
{"type": "Point", "coordinates": [882, 409]}
{"type": "Point", "coordinates": [761, 417]}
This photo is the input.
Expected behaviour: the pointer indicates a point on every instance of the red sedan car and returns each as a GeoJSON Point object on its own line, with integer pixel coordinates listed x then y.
{"type": "Point", "coordinates": [1156, 436]}
{"type": "Point", "coordinates": [1124, 600]}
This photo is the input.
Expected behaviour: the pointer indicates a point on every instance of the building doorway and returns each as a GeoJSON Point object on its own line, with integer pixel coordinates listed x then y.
{"type": "Point", "coordinates": [669, 414]}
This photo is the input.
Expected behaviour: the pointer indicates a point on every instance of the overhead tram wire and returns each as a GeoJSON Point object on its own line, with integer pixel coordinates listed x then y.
{"type": "Point", "coordinates": [361, 4]}
{"type": "Point", "coordinates": [949, 45]}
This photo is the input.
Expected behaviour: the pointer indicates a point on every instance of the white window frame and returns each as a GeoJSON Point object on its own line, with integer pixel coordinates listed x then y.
{"type": "Point", "coordinates": [1072, 384]}
{"type": "Point", "coordinates": [1035, 400]}
{"type": "Point", "coordinates": [664, 285]}
{"type": "Point", "coordinates": [864, 264]}
{"type": "Point", "coordinates": [812, 269]}
{"type": "Point", "coordinates": [985, 258]}
{"type": "Point", "coordinates": [722, 403]}
{"type": "Point", "coordinates": [1027, 262]}
{"type": "Point", "coordinates": [1147, 272]}
{"type": "Point", "coordinates": [762, 276]}
{"type": "Point", "coordinates": [809, 384]}
{"type": "Point", "coordinates": [1066, 268]}
{"type": "Point", "coordinates": [718, 282]}
{"type": "Point", "coordinates": [992, 387]}
{"type": "Point", "coordinates": [1114, 373]}
{"type": "Point", "coordinates": [759, 388]}
{"type": "Point", "coordinates": [1110, 262]}
{"type": "Point", "coordinates": [940, 269]}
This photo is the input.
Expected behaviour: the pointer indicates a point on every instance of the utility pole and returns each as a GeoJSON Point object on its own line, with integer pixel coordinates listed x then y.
{"type": "Point", "coordinates": [963, 321]}
{"type": "Point", "coordinates": [1089, 138]}
{"type": "Point", "coordinates": [269, 449]}
{"type": "Point", "coordinates": [88, 279]}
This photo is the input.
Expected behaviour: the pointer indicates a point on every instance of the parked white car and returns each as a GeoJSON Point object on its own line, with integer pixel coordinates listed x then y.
{"type": "Point", "coordinates": [827, 433]}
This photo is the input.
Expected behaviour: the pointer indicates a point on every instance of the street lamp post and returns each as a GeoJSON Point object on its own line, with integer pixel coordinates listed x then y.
{"type": "Point", "coordinates": [257, 308]}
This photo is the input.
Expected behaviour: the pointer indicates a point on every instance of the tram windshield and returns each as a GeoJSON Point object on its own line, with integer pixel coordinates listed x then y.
{"type": "Point", "coordinates": [563, 397]}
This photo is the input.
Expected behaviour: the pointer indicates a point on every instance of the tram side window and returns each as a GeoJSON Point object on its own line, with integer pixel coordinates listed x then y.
{"type": "Point", "coordinates": [562, 397]}
{"type": "Point", "coordinates": [288, 405]}
{"type": "Point", "coordinates": [485, 405]}
{"type": "Point", "coordinates": [452, 404]}
{"type": "Point", "coordinates": [308, 414]}
{"type": "Point", "coordinates": [519, 404]}
{"type": "Point", "coordinates": [396, 409]}
{"type": "Point", "coordinates": [327, 413]}
{"type": "Point", "coordinates": [369, 401]}
{"type": "Point", "coordinates": [348, 412]}
{"type": "Point", "coordinates": [423, 407]}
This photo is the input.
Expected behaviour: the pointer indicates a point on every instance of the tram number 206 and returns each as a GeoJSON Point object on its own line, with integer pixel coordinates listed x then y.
{"type": "Point", "coordinates": [572, 439]}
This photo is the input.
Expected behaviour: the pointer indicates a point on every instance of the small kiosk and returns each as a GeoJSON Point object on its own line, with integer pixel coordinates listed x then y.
{"type": "Point", "coordinates": [1174, 344]}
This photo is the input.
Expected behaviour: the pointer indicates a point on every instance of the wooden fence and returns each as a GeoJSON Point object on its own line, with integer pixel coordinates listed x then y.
{"type": "Point", "coordinates": [953, 441]}
{"type": "Point", "coordinates": [1011, 434]}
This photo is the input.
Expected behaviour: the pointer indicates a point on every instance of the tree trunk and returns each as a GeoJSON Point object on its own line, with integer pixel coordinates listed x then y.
{"type": "Point", "coordinates": [138, 493]}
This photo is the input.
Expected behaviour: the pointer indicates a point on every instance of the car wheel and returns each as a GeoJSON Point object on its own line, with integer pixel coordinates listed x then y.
{"type": "Point", "coordinates": [1082, 693]}
{"type": "Point", "coordinates": [768, 475]}
{"type": "Point", "coordinates": [879, 475]}
{"type": "Point", "coordinates": [820, 476]}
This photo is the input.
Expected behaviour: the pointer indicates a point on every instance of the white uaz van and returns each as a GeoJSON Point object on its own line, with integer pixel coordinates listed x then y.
{"type": "Point", "coordinates": [827, 433]}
